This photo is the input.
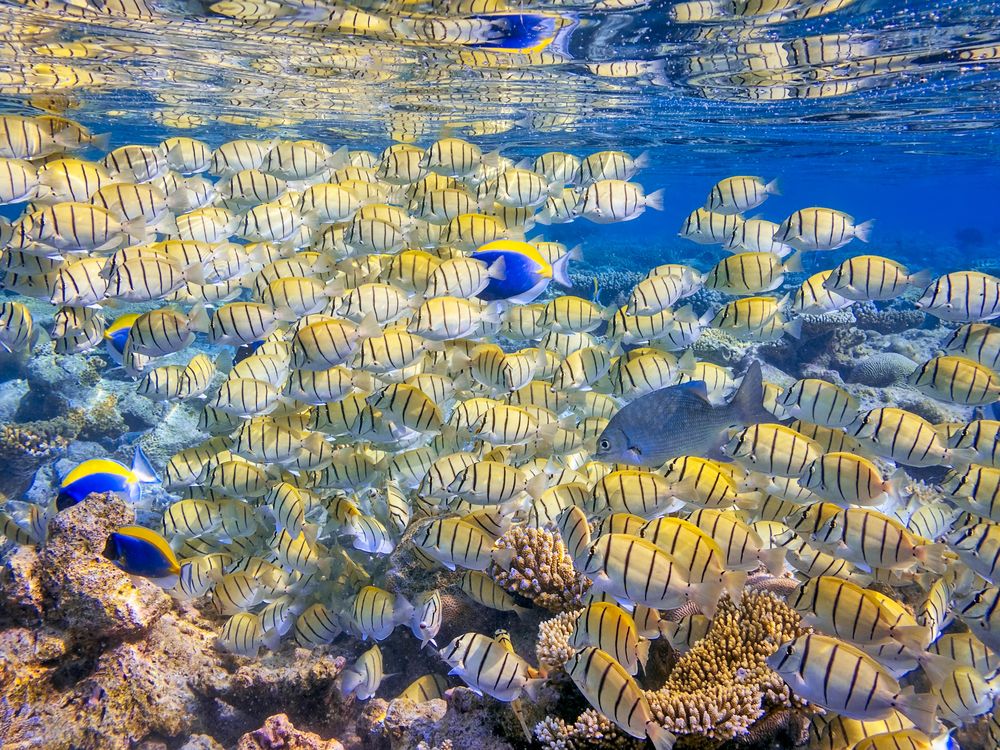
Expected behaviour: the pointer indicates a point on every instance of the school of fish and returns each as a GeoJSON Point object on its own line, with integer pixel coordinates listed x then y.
{"type": "Point", "coordinates": [381, 357]}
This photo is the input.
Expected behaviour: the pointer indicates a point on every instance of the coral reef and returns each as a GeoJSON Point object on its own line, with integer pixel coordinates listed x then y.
{"type": "Point", "coordinates": [870, 318]}
{"type": "Point", "coordinates": [28, 440]}
{"type": "Point", "coordinates": [720, 690]}
{"type": "Point", "coordinates": [466, 720]}
{"type": "Point", "coordinates": [590, 731]}
{"type": "Point", "coordinates": [91, 658]}
{"type": "Point", "coordinates": [279, 734]}
{"type": "Point", "coordinates": [541, 570]}
{"type": "Point", "coordinates": [552, 648]}
{"type": "Point", "coordinates": [722, 686]}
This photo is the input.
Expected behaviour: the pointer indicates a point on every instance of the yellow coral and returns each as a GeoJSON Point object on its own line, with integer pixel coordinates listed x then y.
{"type": "Point", "coordinates": [723, 685]}
{"type": "Point", "coordinates": [541, 570]}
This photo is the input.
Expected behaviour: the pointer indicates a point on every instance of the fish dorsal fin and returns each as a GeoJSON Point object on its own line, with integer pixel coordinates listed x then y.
{"type": "Point", "coordinates": [696, 388]}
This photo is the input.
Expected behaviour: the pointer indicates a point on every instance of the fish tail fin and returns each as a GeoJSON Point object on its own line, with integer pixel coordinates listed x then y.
{"type": "Point", "coordinates": [864, 230]}
{"type": "Point", "coordinates": [655, 200]}
{"type": "Point", "coordinates": [920, 708]}
{"type": "Point", "coordinates": [748, 403]}
{"type": "Point", "coordinates": [142, 468]}
{"type": "Point", "coordinates": [560, 270]}
{"type": "Point", "coordinates": [660, 737]}
{"type": "Point", "coordinates": [642, 652]}
{"type": "Point", "coordinates": [933, 556]}
{"type": "Point", "coordinates": [774, 560]}
{"type": "Point", "coordinates": [732, 582]}
{"type": "Point", "coordinates": [706, 595]}
{"type": "Point", "coordinates": [772, 188]}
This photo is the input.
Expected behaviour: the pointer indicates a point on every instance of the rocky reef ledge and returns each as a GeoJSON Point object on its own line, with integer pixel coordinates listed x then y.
{"type": "Point", "coordinates": [93, 658]}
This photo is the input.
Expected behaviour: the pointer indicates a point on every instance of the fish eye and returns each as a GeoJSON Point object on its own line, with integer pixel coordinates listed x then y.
{"type": "Point", "coordinates": [605, 444]}
{"type": "Point", "coordinates": [789, 650]}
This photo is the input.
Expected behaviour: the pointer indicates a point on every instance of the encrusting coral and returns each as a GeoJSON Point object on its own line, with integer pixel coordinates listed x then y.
{"type": "Point", "coordinates": [541, 570]}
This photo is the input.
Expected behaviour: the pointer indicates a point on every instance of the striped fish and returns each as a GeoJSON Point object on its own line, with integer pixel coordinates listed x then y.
{"type": "Point", "coordinates": [843, 678]}
{"type": "Point", "coordinates": [962, 297]}
{"type": "Point", "coordinates": [861, 616]}
{"type": "Point", "coordinates": [978, 487]}
{"type": "Point", "coordinates": [848, 479]}
{"type": "Point", "coordinates": [427, 617]}
{"type": "Point", "coordinates": [427, 688]}
{"type": "Point", "coordinates": [736, 195]}
{"type": "Point", "coordinates": [902, 436]}
{"type": "Point", "coordinates": [376, 613]}
{"type": "Point", "coordinates": [819, 402]}
{"type": "Point", "coordinates": [821, 229]}
{"type": "Point", "coordinates": [978, 546]}
{"type": "Point", "coordinates": [636, 570]}
{"type": "Point", "coordinates": [773, 449]}
{"type": "Point", "coordinates": [867, 537]}
{"type": "Point", "coordinates": [488, 668]}
{"type": "Point", "coordinates": [977, 341]}
{"type": "Point", "coordinates": [612, 630]}
{"type": "Point", "coordinates": [957, 380]}
{"type": "Point", "coordinates": [872, 277]}
{"type": "Point", "coordinates": [751, 273]}
{"type": "Point", "coordinates": [244, 634]}
{"type": "Point", "coordinates": [610, 689]}
{"type": "Point", "coordinates": [363, 677]}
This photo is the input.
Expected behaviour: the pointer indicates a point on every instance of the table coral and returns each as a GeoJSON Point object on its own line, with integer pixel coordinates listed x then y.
{"type": "Point", "coordinates": [541, 570]}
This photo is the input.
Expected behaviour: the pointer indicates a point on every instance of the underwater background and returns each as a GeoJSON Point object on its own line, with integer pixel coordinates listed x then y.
{"type": "Point", "coordinates": [186, 564]}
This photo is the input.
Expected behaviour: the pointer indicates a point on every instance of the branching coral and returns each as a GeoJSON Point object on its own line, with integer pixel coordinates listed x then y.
{"type": "Point", "coordinates": [25, 441]}
{"type": "Point", "coordinates": [870, 318]}
{"type": "Point", "coordinates": [591, 731]}
{"type": "Point", "coordinates": [552, 648]}
{"type": "Point", "coordinates": [722, 686]}
{"type": "Point", "coordinates": [720, 690]}
{"type": "Point", "coordinates": [541, 570]}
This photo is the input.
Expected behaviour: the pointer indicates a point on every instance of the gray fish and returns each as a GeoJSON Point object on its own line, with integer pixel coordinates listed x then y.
{"type": "Point", "coordinates": [679, 421]}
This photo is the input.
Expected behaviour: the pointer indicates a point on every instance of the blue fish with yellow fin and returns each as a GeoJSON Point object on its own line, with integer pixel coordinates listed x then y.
{"type": "Point", "coordinates": [142, 552]}
{"type": "Point", "coordinates": [116, 335]}
{"type": "Point", "coordinates": [104, 475]}
{"type": "Point", "coordinates": [526, 273]}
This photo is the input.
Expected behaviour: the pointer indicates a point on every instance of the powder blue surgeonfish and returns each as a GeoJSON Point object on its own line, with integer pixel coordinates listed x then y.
{"type": "Point", "coordinates": [104, 475]}
{"type": "Point", "coordinates": [526, 273]}
{"type": "Point", "coordinates": [679, 421]}
{"type": "Point", "coordinates": [142, 552]}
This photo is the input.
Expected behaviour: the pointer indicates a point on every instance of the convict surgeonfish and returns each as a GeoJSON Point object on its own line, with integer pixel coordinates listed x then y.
{"type": "Point", "coordinates": [636, 435]}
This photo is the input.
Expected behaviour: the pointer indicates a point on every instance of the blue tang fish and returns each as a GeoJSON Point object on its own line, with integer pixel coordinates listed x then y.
{"type": "Point", "coordinates": [526, 273]}
{"type": "Point", "coordinates": [142, 552]}
{"type": "Point", "coordinates": [116, 334]}
{"type": "Point", "coordinates": [104, 475]}
{"type": "Point", "coordinates": [679, 421]}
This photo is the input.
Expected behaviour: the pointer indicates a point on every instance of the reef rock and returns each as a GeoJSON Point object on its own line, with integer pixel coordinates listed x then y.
{"type": "Point", "coordinates": [278, 732]}
{"type": "Point", "coordinates": [87, 593]}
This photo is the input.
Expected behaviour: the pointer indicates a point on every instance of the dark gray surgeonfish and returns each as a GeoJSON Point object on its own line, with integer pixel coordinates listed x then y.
{"type": "Point", "coordinates": [679, 421]}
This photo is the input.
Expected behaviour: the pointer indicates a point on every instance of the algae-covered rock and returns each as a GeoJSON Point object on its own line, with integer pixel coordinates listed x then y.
{"type": "Point", "coordinates": [21, 594]}
{"type": "Point", "coordinates": [278, 732]}
{"type": "Point", "coordinates": [89, 595]}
